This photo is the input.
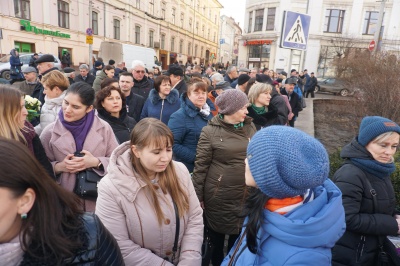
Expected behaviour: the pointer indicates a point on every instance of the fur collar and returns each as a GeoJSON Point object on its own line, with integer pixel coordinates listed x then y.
{"type": "Point", "coordinates": [172, 97]}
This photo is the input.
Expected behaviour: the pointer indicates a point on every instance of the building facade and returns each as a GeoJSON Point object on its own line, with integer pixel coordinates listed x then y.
{"type": "Point", "coordinates": [335, 26]}
{"type": "Point", "coordinates": [230, 32]}
{"type": "Point", "coordinates": [178, 30]}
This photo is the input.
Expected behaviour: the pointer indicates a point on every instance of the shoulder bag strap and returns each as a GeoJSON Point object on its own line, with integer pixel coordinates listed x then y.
{"type": "Point", "coordinates": [175, 248]}
{"type": "Point", "coordinates": [374, 204]}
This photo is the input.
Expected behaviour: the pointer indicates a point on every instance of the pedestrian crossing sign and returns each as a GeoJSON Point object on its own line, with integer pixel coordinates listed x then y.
{"type": "Point", "coordinates": [295, 30]}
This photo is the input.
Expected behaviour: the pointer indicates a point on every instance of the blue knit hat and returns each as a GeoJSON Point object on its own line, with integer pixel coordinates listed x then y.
{"type": "Point", "coordinates": [285, 161]}
{"type": "Point", "coordinates": [373, 126]}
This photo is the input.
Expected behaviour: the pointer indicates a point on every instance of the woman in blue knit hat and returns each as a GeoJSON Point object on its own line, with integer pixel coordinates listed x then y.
{"type": "Point", "coordinates": [294, 213]}
{"type": "Point", "coordinates": [368, 196]}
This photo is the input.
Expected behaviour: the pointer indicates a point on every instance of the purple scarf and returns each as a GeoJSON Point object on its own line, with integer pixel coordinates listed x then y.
{"type": "Point", "coordinates": [79, 129]}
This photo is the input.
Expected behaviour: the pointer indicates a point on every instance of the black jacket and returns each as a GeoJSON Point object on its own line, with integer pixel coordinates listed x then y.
{"type": "Point", "coordinates": [101, 247]}
{"type": "Point", "coordinates": [294, 101]}
{"type": "Point", "coordinates": [41, 156]}
{"type": "Point", "coordinates": [279, 104]}
{"type": "Point", "coordinates": [89, 79]}
{"type": "Point", "coordinates": [268, 119]}
{"type": "Point", "coordinates": [121, 126]}
{"type": "Point", "coordinates": [181, 87]}
{"type": "Point", "coordinates": [134, 105]}
{"type": "Point", "coordinates": [143, 87]}
{"type": "Point", "coordinates": [359, 244]}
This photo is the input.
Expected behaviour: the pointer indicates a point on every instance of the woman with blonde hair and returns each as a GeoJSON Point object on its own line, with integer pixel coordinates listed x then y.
{"type": "Point", "coordinates": [147, 201]}
{"type": "Point", "coordinates": [13, 124]}
{"type": "Point", "coordinates": [259, 97]}
{"type": "Point", "coordinates": [55, 84]}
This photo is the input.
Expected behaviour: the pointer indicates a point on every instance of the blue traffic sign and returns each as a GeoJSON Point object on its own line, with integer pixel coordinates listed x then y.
{"type": "Point", "coordinates": [296, 28]}
{"type": "Point", "coordinates": [89, 32]}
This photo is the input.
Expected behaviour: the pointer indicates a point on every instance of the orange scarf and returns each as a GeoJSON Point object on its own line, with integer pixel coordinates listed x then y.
{"type": "Point", "coordinates": [283, 206]}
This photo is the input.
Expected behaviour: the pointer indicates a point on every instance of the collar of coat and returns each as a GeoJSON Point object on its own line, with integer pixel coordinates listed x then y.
{"type": "Point", "coordinates": [192, 110]}
{"type": "Point", "coordinates": [172, 97]}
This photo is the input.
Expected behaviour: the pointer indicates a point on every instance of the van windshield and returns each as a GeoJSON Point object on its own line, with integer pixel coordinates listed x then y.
{"type": "Point", "coordinates": [5, 59]}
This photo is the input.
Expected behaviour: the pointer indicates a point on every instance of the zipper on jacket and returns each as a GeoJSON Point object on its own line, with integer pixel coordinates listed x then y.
{"type": "Point", "coordinates": [360, 248]}
{"type": "Point", "coordinates": [217, 188]}
{"type": "Point", "coordinates": [162, 108]}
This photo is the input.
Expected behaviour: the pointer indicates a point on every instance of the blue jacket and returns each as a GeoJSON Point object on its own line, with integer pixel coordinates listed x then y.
{"type": "Point", "coordinates": [303, 236]}
{"type": "Point", "coordinates": [159, 108]}
{"type": "Point", "coordinates": [15, 66]}
{"type": "Point", "coordinates": [186, 125]}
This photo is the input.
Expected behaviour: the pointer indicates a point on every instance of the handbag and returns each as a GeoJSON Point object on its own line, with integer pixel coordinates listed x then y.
{"type": "Point", "coordinates": [86, 184]}
{"type": "Point", "coordinates": [207, 247]}
{"type": "Point", "coordinates": [175, 247]}
{"type": "Point", "coordinates": [14, 71]}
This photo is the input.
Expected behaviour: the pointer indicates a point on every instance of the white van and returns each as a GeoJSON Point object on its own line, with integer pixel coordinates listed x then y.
{"type": "Point", "coordinates": [126, 53]}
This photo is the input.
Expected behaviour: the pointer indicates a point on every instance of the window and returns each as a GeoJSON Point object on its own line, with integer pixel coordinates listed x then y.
{"type": "Point", "coordinates": [151, 7]}
{"type": "Point", "coordinates": [163, 41]}
{"type": "Point", "coordinates": [172, 44]}
{"type": "Point", "coordinates": [215, 36]}
{"type": "Point", "coordinates": [250, 21]}
{"type": "Point", "coordinates": [201, 51]}
{"type": "Point", "coordinates": [254, 51]}
{"type": "Point", "coordinates": [63, 14]}
{"type": "Point", "coordinates": [215, 19]}
{"type": "Point", "coordinates": [173, 16]}
{"type": "Point", "coordinates": [151, 38]}
{"type": "Point", "coordinates": [190, 49]}
{"type": "Point", "coordinates": [333, 20]}
{"type": "Point", "coordinates": [137, 34]}
{"type": "Point", "coordinates": [163, 10]}
{"type": "Point", "coordinates": [116, 29]}
{"type": "Point", "coordinates": [190, 24]}
{"type": "Point", "coordinates": [208, 34]}
{"type": "Point", "coordinates": [180, 46]}
{"type": "Point", "coordinates": [182, 19]}
{"type": "Point", "coordinates": [95, 23]}
{"type": "Point", "coordinates": [22, 9]}
{"type": "Point", "coordinates": [271, 18]}
{"type": "Point", "coordinates": [202, 28]}
{"type": "Point", "coordinates": [197, 26]}
{"type": "Point", "coordinates": [370, 22]}
{"type": "Point", "coordinates": [259, 20]}
{"type": "Point", "coordinates": [138, 4]}
{"type": "Point", "coordinates": [196, 47]}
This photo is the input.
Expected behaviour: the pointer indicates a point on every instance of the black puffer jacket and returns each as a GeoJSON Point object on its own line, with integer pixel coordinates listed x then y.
{"type": "Point", "coordinates": [101, 247]}
{"type": "Point", "coordinates": [359, 245]}
{"type": "Point", "coordinates": [264, 120]}
{"type": "Point", "coordinates": [143, 87]}
{"type": "Point", "coordinates": [121, 126]}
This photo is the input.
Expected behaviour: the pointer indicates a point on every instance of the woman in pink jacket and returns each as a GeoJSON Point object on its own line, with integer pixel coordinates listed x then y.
{"type": "Point", "coordinates": [78, 139]}
{"type": "Point", "coordinates": [148, 202]}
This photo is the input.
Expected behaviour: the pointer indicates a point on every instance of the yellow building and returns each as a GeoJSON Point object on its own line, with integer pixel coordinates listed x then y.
{"type": "Point", "coordinates": [183, 31]}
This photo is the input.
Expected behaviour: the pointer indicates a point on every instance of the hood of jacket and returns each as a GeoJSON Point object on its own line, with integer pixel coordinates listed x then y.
{"type": "Point", "coordinates": [172, 97]}
{"type": "Point", "coordinates": [52, 103]}
{"type": "Point", "coordinates": [122, 174]}
{"type": "Point", "coordinates": [189, 107]}
{"type": "Point", "coordinates": [12, 53]}
{"type": "Point", "coordinates": [319, 223]}
{"type": "Point", "coordinates": [355, 150]}
{"type": "Point", "coordinates": [101, 74]}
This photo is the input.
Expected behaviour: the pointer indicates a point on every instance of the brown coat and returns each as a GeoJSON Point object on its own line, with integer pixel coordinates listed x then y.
{"type": "Point", "coordinates": [218, 174]}
{"type": "Point", "coordinates": [58, 142]}
{"type": "Point", "coordinates": [124, 207]}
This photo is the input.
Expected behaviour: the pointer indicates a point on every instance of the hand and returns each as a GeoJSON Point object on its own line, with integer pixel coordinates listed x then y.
{"type": "Point", "coordinates": [89, 160]}
{"type": "Point", "coordinates": [202, 205]}
{"type": "Point", "coordinates": [70, 164]}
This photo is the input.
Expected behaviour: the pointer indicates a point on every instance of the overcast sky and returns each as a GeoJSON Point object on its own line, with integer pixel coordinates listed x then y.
{"type": "Point", "coordinates": [235, 9]}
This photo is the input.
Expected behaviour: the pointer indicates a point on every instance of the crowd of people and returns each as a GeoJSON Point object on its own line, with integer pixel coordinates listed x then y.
{"type": "Point", "coordinates": [140, 167]}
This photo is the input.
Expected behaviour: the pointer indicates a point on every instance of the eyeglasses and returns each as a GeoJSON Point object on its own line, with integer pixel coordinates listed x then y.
{"type": "Point", "coordinates": [139, 71]}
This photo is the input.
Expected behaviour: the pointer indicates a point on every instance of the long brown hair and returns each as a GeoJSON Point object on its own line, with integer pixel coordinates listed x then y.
{"type": "Point", "coordinates": [153, 132]}
{"type": "Point", "coordinates": [10, 110]}
{"type": "Point", "coordinates": [52, 230]}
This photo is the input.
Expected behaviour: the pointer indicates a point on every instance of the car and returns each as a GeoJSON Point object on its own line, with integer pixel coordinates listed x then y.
{"type": "Point", "coordinates": [25, 58]}
{"type": "Point", "coordinates": [335, 86]}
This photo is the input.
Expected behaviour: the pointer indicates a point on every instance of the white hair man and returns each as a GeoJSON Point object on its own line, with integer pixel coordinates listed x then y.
{"type": "Point", "coordinates": [142, 84]}
{"type": "Point", "coordinates": [85, 75]}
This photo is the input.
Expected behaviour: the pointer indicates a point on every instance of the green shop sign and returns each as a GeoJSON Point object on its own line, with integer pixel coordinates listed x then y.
{"type": "Point", "coordinates": [27, 26]}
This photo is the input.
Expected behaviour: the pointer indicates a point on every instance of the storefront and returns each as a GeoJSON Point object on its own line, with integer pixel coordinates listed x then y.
{"type": "Point", "coordinates": [258, 52]}
{"type": "Point", "coordinates": [172, 57]}
{"type": "Point", "coordinates": [163, 55]}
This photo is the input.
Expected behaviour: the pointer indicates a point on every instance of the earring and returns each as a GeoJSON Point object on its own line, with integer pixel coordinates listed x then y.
{"type": "Point", "coordinates": [24, 216]}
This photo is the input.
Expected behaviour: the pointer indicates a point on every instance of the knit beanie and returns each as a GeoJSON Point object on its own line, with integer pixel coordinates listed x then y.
{"type": "Point", "coordinates": [242, 79]}
{"type": "Point", "coordinates": [231, 101]}
{"type": "Point", "coordinates": [285, 161]}
{"type": "Point", "coordinates": [373, 126]}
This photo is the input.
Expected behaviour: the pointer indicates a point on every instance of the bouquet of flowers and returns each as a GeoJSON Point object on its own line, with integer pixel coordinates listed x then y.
{"type": "Point", "coordinates": [32, 105]}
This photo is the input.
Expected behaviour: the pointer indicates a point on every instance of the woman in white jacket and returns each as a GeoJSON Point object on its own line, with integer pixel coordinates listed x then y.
{"type": "Point", "coordinates": [55, 84]}
{"type": "Point", "coordinates": [146, 196]}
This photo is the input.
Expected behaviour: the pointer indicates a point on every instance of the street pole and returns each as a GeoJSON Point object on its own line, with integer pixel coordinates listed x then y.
{"type": "Point", "coordinates": [379, 31]}
{"type": "Point", "coordinates": [305, 51]}
{"type": "Point", "coordinates": [90, 45]}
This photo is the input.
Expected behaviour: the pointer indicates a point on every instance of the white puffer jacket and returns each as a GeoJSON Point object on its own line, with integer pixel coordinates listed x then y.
{"type": "Point", "coordinates": [49, 112]}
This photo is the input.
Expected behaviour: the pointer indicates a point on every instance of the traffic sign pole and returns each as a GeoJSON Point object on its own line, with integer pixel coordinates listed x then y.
{"type": "Point", "coordinates": [91, 33]}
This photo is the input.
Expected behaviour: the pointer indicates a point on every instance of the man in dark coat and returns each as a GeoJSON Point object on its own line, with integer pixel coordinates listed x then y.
{"type": "Point", "coordinates": [66, 60]}
{"type": "Point", "coordinates": [175, 73]}
{"type": "Point", "coordinates": [313, 83]}
{"type": "Point", "coordinates": [45, 64]}
{"type": "Point", "coordinates": [293, 97]}
{"type": "Point", "coordinates": [134, 102]}
{"type": "Point", "coordinates": [142, 84]}
{"type": "Point", "coordinates": [32, 60]}
{"type": "Point", "coordinates": [231, 75]}
{"type": "Point", "coordinates": [84, 75]}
